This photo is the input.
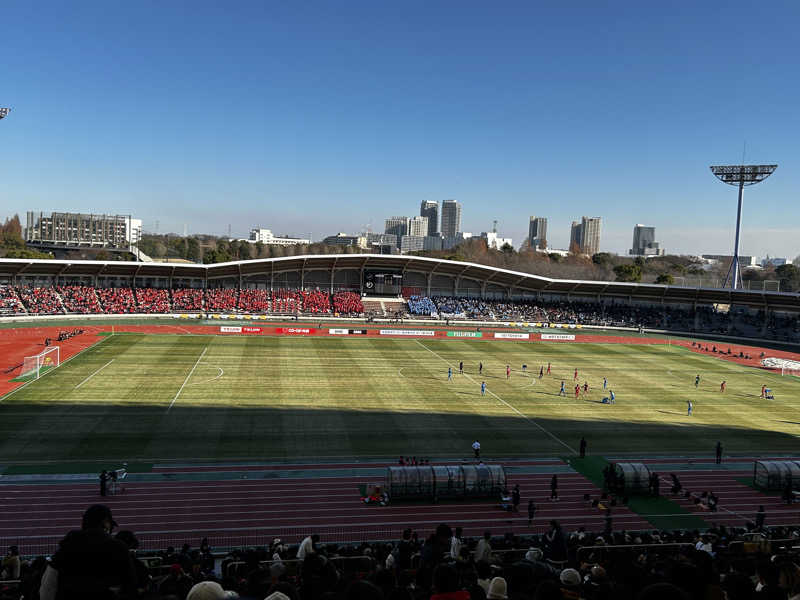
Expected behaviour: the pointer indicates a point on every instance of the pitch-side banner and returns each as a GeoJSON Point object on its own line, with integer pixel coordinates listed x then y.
{"type": "Point", "coordinates": [558, 336]}
{"type": "Point", "coordinates": [295, 330]}
{"type": "Point", "coordinates": [411, 332]}
{"type": "Point", "coordinates": [338, 331]}
{"type": "Point", "coordinates": [465, 334]}
{"type": "Point", "coordinates": [508, 335]}
{"type": "Point", "coordinates": [229, 329]}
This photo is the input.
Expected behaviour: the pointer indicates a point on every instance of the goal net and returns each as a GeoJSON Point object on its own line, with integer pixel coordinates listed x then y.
{"type": "Point", "coordinates": [786, 366]}
{"type": "Point", "coordinates": [35, 366]}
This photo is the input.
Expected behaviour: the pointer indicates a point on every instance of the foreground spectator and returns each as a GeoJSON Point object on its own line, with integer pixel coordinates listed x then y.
{"type": "Point", "coordinates": [89, 562]}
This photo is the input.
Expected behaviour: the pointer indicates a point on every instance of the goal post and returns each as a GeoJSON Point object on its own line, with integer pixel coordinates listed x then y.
{"type": "Point", "coordinates": [35, 366]}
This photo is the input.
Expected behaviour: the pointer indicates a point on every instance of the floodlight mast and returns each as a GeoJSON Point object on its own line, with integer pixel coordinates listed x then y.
{"type": "Point", "coordinates": [4, 112]}
{"type": "Point", "coordinates": [740, 175]}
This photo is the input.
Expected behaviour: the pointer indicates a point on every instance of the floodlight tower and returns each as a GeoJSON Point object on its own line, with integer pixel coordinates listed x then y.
{"type": "Point", "coordinates": [4, 112]}
{"type": "Point", "coordinates": [740, 175]}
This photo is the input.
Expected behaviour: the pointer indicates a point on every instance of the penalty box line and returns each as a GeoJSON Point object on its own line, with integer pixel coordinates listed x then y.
{"type": "Point", "coordinates": [545, 431]}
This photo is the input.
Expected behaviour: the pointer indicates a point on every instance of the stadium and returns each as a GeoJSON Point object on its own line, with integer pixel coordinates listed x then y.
{"type": "Point", "coordinates": [341, 395]}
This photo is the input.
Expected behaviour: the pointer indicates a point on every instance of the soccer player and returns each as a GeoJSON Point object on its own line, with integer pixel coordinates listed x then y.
{"type": "Point", "coordinates": [449, 373]}
{"type": "Point", "coordinates": [763, 391]}
{"type": "Point", "coordinates": [548, 368]}
{"type": "Point", "coordinates": [476, 446]}
{"type": "Point", "coordinates": [480, 368]}
{"type": "Point", "coordinates": [605, 383]}
{"type": "Point", "coordinates": [524, 368]}
{"type": "Point", "coordinates": [483, 388]}
{"type": "Point", "coordinates": [697, 380]}
{"type": "Point", "coordinates": [461, 367]}
{"type": "Point", "coordinates": [554, 487]}
{"type": "Point", "coordinates": [577, 390]}
{"type": "Point", "coordinates": [722, 386]}
{"type": "Point", "coordinates": [689, 408]}
{"type": "Point", "coordinates": [563, 391]}
{"type": "Point", "coordinates": [612, 396]}
{"type": "Point", "coordinates": [575, 376]}
{"type": "Point", "coordinates": [541, 371]}
{"type": "Point", "coordinates": [585, 387]}
{"type": "Point", "coordinates": [508, 371]}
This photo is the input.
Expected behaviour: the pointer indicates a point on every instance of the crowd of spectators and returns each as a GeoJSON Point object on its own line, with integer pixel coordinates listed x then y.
{"type": "Point", "coordinates": [254, 301]}
{"type": "Point", "coordinates": [421, 306]}
{"type": "Point", "coordinates": [316, 302]}
{"type": "Point", "coordinates": [753, 563]}
{"type": "Point", "coordinates": [702, 319]}
{"type": "Point", "coordinates": [117, 300]}
{"type": "Point", "coordinates": [152, 300]}
{"type": "Point", "coordinates": [80, 299]}
{"type": "Point", "coordinates": [221, 299]}
{"type": "Point", "coordinates": [347, 303]}
{"type": "Point", "coordinates": [9, 301]}
{"type": "Point", "coordinates": [187, 299]}
{"type": "Point", "coordinates": [40, 300]}
{"type": "Point", "coordinates": [286, 301]}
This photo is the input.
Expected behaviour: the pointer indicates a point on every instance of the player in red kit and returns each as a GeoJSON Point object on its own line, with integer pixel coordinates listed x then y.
{"type": "Point", "coordinates": [508, 371]}
{"type": "Point", "coordinates": [577, 390]}
{"type": "Point", "coordinates": [575, 376]}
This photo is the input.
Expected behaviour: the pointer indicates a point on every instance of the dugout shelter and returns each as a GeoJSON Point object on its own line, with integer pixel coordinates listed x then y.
{"type": "Point", "coordinates": [633, 478]}
{"type": "Point", "coordinates": [773, 475]}
{"type": "Point", "coordinates": [445, 482]}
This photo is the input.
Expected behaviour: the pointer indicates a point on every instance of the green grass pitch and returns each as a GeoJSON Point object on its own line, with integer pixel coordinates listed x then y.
{"type": "Point", "coordinates": [172, 397]}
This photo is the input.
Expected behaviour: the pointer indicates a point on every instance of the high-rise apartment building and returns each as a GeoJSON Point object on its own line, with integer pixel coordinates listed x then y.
{"type": "Point", "coordinates": [644, 242]}
{"type": "Point", "coordinates": [590, 235]}
{"type": "Point", "coordinates": [586, 235]}
{"type": "Point", "coordinates": [430, 209]}
{"type": "Point", "coordinates": [451, 218]}
{"type": "Point", "coordinates": [418, 226]}
{"type": "Point", "coordinates": [396, 226]}
{"type": "Point", "coordinates": [537, 233]}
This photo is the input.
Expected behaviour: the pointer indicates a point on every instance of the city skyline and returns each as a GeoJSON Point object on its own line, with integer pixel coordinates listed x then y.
{"type": "Point", "coordinates": [316, 123]}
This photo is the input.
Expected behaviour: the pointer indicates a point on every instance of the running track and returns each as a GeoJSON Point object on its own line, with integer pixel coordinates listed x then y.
{"type": "Point", "coordinates": [252, 511]}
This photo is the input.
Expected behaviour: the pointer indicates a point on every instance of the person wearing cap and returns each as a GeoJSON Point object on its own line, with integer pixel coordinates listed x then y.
{"type": "Point", "coordinates": [570, 584]}
{"type": "Point", "coordinates": [498, 590]}
{"type": "Point", "coordinates": [209, 590]}
{"type": "Point", "coordinates": [89, 562]}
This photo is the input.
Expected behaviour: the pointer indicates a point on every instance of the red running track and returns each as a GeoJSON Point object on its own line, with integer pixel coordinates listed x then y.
{"type": "Point", "coordinates": [250, 512]}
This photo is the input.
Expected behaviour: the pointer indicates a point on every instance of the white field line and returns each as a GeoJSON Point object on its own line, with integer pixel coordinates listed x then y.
{"type": "Point", "coordinates": [93, 374]}
{"type": "Point", "coordinates": [63, 362]}
{"type": "Point", "coordinates": [199, 358]}
{"type": "Point", "coordinates": [531, 421]}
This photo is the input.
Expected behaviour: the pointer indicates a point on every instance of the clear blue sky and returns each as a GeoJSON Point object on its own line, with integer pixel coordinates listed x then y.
{"type": "Point", "coordinates": [322, 117]}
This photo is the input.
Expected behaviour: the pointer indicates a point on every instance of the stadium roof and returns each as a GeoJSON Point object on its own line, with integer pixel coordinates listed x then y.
{"type": "Point", "coordinates": [515, 280]}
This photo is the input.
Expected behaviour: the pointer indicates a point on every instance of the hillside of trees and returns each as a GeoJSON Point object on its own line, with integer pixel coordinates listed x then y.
{"type": "Point", "coordinates": [11, 243]}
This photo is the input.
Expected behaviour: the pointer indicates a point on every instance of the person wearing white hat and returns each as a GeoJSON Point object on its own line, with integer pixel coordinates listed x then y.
{"type": "Point", "coordinates": [497, 589]}
{"type": "Point", "coordinates": [209, 590]}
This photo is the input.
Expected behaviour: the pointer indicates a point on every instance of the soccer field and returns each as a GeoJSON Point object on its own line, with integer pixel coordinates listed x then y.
{"type": "Point", "coordinates": [172, 397]}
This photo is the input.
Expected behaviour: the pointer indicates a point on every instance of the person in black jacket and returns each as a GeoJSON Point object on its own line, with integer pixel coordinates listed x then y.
{"type": "Point", "coordinates": [89, 562]}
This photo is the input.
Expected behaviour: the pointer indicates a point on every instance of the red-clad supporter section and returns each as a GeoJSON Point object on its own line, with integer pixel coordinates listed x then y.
{"type": "Point", "coordinates": [80, 299]}
{"type": "Point", "coordinates": [347, 303]}
{"type": "Point", "coordinates": [9, 301]}
{"type": "Point", "coordinates": [189, 299]}
{"type": "Point", "coordinates": [286, 301]}
{"type": "Point", "coordinates": [117, 300]}
{"type": "Point", "coordinates": [220, 299]}
{"type": "Point", "coordinates": [254, 301]}
{"type": "Point", "coordinates": [40, 300]}
{"type": "Point", "coordinates": [316, 302]}
{"type": "Point", "coordinates": [151, 300]}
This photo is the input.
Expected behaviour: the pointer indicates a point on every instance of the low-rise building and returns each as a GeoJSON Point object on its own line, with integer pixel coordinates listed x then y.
{"type": "Point", "coordinates": [265, 236]}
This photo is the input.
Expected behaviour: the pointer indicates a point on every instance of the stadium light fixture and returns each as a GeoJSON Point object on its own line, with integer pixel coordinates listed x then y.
{"type": "Point", "coordinates": [4, 112]}
{"type": "Point", "coordinates": [740, 175]}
